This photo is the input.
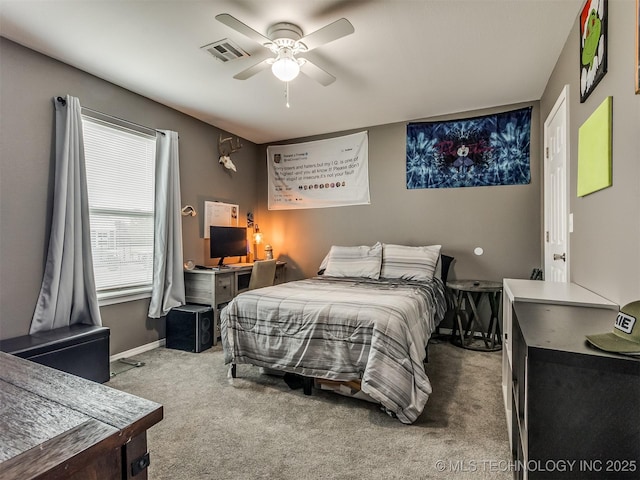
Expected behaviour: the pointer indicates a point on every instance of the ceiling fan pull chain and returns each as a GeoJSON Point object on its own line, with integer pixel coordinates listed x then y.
{"type": "Point", "coordinates": [286, 93]}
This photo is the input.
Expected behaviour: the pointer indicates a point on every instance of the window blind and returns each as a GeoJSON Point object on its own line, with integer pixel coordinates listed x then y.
{"type": "Point", "coordinates": [120, 165]}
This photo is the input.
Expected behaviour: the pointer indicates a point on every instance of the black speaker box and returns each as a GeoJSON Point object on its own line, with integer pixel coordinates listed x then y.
{"type": "Point", "coordinates": [190, 328]}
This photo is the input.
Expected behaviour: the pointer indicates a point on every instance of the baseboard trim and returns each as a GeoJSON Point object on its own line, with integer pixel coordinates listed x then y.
{"type": "Point", "coordinates": [138, 350]}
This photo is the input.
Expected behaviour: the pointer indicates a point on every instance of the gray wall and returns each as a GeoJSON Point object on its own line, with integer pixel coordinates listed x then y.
{"type": "Point", "coordinates": [504, 220]}
{"type": "Point", "coordinates": [28, 82]}
{"type": "Point", "coordinates": [605, 244]}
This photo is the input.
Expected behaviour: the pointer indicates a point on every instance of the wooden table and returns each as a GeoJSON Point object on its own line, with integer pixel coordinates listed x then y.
{"type": "Point", "coordinates": [473, 291]}
{"type": "Point", "coordinates": [55, 425]}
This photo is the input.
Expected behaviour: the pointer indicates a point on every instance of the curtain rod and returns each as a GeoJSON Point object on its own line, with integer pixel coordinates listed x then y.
{"type": "Point", "coordinates": [64, 102]}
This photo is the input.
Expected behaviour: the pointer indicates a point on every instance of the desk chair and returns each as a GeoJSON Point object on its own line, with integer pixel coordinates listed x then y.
{"type": "Point", "coordinates": [263, 274]}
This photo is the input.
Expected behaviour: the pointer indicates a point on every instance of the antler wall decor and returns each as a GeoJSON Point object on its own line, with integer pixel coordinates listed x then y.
{"type": "Point", "coordinates": [226, 147]}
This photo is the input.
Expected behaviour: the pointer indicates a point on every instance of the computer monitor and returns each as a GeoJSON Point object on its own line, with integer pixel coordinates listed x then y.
{"type": "Point", "coordinates": [227, 242]}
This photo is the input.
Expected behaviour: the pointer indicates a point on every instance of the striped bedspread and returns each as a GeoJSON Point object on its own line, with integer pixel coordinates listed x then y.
{"type": "Point", "coordinates": [341, 329]}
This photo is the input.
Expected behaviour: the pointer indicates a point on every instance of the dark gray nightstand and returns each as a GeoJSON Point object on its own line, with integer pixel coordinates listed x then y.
{"type": "Point", "coordinates": [470, 293]}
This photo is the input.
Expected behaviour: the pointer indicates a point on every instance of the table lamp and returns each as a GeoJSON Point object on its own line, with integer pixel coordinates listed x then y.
{"type": "Point", "coordinates": [257, 240]}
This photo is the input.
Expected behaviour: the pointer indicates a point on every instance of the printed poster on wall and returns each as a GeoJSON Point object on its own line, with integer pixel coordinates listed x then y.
{"type": "Point", "coordinates": [319, 174]}
{"type": "Point", "coordinates": [220, 214]}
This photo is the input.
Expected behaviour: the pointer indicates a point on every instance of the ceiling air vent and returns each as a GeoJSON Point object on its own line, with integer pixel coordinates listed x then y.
{"type": "Point", "coordinates": [225, 50]}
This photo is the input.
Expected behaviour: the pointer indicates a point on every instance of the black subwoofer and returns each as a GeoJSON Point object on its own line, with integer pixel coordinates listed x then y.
{"type": "Point", "coordinates": [190, 328]}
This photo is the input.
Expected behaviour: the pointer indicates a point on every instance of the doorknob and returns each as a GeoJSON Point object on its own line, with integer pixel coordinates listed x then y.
{"type": "Point", "coordinates": [562, 257]}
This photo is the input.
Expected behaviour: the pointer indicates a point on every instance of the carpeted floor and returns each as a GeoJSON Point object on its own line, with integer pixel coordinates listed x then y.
{"type": "Point", "coordinates": [256, 427]}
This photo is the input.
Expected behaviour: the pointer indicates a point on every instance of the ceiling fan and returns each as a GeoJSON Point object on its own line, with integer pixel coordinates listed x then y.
{"type": "Point", "coordinates": [286, 41]}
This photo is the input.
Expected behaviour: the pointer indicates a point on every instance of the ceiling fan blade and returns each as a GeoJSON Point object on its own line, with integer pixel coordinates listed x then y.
{"type": "Point", "coordinates": [251, 71]}
{"type": "Point", "coordinates": [333, 31]}
{"type": "Point", "coordinates": [240, 27]}
{"type": "Point", "coordinates": [319, 75]}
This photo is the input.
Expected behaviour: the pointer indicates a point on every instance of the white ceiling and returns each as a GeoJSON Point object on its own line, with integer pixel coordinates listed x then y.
{"type": "Point", "coordinates": [408, 59]}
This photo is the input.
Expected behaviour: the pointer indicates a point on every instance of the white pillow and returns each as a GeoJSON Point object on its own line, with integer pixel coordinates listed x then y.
{"type": "Point", "coordinates": [361, 261]}
{"type": "Point", "coordinates": [409, 263]}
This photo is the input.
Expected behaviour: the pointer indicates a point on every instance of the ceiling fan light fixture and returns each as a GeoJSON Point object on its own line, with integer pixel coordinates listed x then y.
{"type": "Point", "coordinates": [286, 40]}
{"type": "Point", "coordinates": [286, 67]}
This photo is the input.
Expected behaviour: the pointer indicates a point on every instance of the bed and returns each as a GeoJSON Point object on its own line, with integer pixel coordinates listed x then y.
{"type": "Point", "coordinates": [368, 317]}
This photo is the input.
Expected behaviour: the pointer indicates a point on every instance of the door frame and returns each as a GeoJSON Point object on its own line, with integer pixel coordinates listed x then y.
{"type": "Point", "coordinates": [561, 102]}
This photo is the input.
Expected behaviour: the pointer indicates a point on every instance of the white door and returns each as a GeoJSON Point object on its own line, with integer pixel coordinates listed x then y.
{"type": "Point", "coordinates": [556, 192]}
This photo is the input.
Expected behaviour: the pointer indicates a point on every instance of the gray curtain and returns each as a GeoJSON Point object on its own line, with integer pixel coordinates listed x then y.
{"type": "Point", "coordinates": [168, 276]}
{"type": "Point", "coordinates": [68, 292]}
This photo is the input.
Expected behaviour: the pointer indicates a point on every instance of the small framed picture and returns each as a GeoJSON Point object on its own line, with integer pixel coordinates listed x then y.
{"type": "Point", "coordinates": [593, 45]}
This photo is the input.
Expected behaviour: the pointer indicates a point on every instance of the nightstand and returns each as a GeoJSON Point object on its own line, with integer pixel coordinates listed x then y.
{"type": "Point", "coordinates": [468, 296]}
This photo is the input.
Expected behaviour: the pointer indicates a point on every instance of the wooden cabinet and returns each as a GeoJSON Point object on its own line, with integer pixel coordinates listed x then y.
{"type": "Point", "coordinates": [208, 287]}
{"type": "Point", "coordinates": [55, 425]}
{"type": "Point", "coordinates": [576, 409]}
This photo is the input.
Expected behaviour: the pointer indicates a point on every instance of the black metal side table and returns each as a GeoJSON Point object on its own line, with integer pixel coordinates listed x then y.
{"type": "Point", "coordinates": [468, 322]}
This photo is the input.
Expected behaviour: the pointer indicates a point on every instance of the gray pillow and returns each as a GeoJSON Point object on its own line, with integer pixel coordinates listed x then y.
{"type": "Point", "coordinates": [360, 261]}
{"type": "Point", "coordinates": [409, 263]}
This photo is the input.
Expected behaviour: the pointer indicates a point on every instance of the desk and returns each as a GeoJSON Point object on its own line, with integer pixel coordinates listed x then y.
{"type": "Point", "coordinates": [218, 286]}
{"type": "Point", "coordinates": [59, 426]}
{"type": "Point", "coordinates": [472, 292]}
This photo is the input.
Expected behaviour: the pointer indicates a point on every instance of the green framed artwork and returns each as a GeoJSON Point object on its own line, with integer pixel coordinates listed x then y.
{"type": "Point", "coordinates": [593, 45]}
{"type": "Point", "coordinates": [594, 150]}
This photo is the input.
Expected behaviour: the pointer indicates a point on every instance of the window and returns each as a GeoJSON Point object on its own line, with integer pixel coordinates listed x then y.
{"type": "Point", "coordinates": [120, 165]}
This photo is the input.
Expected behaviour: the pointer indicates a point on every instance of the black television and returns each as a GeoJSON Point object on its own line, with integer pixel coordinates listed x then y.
{"type": "Point", "coordinates": [227, 242]}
